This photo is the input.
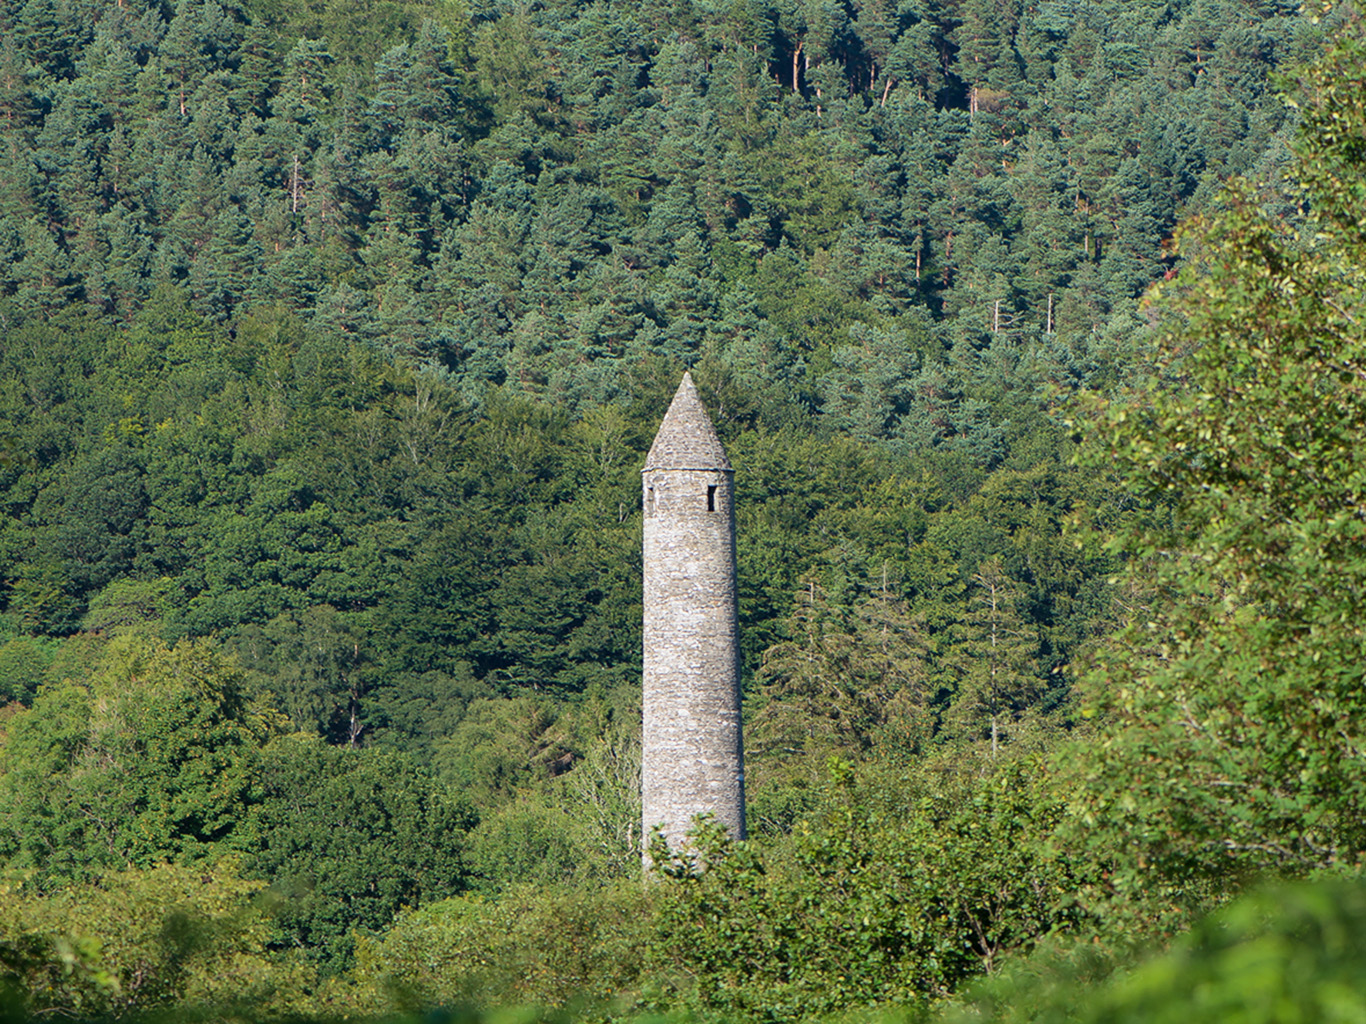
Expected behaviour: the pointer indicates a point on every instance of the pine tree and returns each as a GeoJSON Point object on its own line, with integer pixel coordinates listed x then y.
{"type": "Point", "coordinates": [21, 105]}
{"type": "Point", "coordinates": [994, 658]}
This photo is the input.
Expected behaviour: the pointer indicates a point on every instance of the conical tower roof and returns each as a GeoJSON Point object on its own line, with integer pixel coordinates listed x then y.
{"type": "Point", "coordinates": [686, 438]}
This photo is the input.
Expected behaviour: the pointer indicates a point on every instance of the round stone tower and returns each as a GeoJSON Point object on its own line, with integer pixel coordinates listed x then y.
{"type": "Point", "coordinates": [693, 759]}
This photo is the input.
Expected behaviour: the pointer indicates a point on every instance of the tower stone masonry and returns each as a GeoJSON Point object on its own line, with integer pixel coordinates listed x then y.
{"type": "Point", "coordinates": [693, 755]}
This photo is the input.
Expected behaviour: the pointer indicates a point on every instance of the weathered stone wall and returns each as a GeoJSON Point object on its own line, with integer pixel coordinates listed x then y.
{"type": "Point", "coordinates": [693, 759]}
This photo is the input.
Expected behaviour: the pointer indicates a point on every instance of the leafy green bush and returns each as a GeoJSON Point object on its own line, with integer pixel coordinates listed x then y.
{"type": "Point", "coordinates": [553, 948]}
{"type": "Point", "coordinates": [153, 756]}
{"type": "Point", "coordinates": [146, 939]}
{"type": "Point", "coordinates": [888, 898]}
{"type": "Point", "coordinates": [348, 838]}
{"type": "Point", "coordinates": [1281, 955]}
{"type": "Point", "coordinates": [23, 663]}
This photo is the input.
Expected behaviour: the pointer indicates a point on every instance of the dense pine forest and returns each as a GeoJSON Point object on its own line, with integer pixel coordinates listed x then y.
{"type": "Point", "coordinates": [332, 339]}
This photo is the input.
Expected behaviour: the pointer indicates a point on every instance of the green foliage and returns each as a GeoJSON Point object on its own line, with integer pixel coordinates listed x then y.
{"type": "Point", "coordinates": [894, 894]}
{"type": "Point", "coordinates": [145, 939]}
{"type": "Point", "coordinates": [128, 605]}
{"type": "Point", "coordinates": [1235, 696]}
{"type": "Point", "coordinates": [340, 333]}
{"type": "Point", "coordinates": [23, 665]}
{"type": "Point", "coordinates": [1286, 953]}
{"type": "Point", "coordinates": [500, 746]}
{"type": "Point", "coordinates": [337, 332]}
{"type": "Point", "coordinates": [603, 796]}
{"type": "Point", "coordinates": [311, 663]}
{"type": "Point", "coordinates": [551, 948]}
{"type": "Point", "coordinates": [154, 757]}
{"type": "Point", "coordinates": [994, 658]}
{"type": "Point", "coordinates": [348, 838]}
{"type": "Point", "coordinates": [559, 795]}
{"type": "Point", "coordinates": [849, 680]}
{"type": "Point", "coordinates": [526, 842]}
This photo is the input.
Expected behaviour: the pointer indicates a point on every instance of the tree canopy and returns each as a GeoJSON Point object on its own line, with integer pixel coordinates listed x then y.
{"type": "Point", "coordinates": [332, 339]}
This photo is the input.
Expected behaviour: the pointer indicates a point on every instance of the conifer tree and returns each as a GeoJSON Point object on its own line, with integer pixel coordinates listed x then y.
{"type": "Point", "coordinates": [994, 659]}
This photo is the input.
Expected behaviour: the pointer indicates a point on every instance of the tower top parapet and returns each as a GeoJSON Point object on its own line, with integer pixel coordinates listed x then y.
{"type": "Point", "coordinates": [686, 438]}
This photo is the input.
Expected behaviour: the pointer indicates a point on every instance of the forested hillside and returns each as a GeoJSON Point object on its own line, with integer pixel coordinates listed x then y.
{"type": "Point", "coordinates": [332, 338]}
{"type": "Point", "coordinates": [359, 358]}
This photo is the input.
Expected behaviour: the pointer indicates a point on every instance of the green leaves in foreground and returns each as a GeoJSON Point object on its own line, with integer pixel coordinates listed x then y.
{"type": "Point", "coordinates": [900, 887]}
{"type": "Point", "coordinates": [140, 940]}
{"type": "Point", "coordinates": [1237, 700]}
{"type": "Point", "coordinates": [896, 895]}
{"type": "Point", "coordinates": [1284, 955]}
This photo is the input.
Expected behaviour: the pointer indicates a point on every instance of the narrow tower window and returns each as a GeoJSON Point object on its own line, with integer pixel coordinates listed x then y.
{"type": "Point", "coordinates": [711, 498]}
{"type": "Point", "coordinates": [649, 501]}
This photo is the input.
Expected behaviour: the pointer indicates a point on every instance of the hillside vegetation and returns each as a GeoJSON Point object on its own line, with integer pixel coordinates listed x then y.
{"type": "Point", "coordinates": [333, 336]}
